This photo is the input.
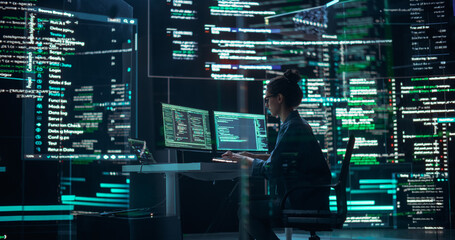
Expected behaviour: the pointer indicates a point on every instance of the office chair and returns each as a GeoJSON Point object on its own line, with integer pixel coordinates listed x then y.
{"type": "Point", "coordinates": [316, 220]}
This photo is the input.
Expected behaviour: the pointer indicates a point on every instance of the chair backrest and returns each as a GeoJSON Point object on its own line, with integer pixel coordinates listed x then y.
{"type": "Point", "coordinates": [340, 189]}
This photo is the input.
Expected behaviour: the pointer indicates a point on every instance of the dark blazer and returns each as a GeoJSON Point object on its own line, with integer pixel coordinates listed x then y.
{"type": "Point", "coordinates": [297, 159]}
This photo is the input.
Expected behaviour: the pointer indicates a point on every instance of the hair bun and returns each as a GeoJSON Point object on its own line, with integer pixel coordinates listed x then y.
{"type": "Point", "coordinates": [293, 75]}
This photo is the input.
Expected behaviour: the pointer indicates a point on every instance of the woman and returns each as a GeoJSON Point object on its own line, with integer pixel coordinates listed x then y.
{"type": "Point", "coordinates": [296, 160]}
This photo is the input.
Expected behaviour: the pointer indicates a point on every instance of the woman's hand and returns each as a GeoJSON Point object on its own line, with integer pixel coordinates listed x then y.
{"type": "Point", "coordinates": [232, 156]}
{"type": "Point", "coordinates": [237, 157]}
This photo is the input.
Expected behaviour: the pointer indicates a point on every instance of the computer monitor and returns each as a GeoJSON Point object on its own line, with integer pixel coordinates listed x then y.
{"type": "Point", "coordinates": [186, 127]}
{"type": "Point", "coordinates": [240, 131]}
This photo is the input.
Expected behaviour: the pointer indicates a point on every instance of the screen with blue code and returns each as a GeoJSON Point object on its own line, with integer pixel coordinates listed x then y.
{"type": "Point", "coordinates": [240, 131]}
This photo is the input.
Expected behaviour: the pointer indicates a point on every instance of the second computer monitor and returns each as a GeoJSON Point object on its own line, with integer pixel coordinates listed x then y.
{"type": "Point", "coordinates": [240, 131]}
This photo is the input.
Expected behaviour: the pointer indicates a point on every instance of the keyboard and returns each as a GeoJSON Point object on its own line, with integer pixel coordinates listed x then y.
{"type": "Point", "coordinates": [224, 160]}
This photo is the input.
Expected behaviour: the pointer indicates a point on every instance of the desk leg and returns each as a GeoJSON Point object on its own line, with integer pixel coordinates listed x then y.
{"type": "Point", "coordinates": [171, 203]}
{"type": "Point", "coordinates": [244, 201]}
{"type": "Point", "coordinates": [170, 194]}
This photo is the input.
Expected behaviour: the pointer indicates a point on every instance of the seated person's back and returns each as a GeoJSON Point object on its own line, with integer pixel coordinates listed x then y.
{"type": "Point", "coordinates": [296, 160]}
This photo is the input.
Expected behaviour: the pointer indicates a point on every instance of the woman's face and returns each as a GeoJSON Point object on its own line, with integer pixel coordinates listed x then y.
{"type": "Point", "coordinates": [271, 102]}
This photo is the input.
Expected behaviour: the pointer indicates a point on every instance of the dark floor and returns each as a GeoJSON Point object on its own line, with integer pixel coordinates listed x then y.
{"type": "Point", "coordinates": [344, 234]}
{"type": "Point", "coordinates": [69, 232]}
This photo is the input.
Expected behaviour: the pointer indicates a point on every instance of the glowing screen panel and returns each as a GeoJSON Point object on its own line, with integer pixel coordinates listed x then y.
{"type": "Point", "coordinates": [240, 131]}
{"type": "Point", "coordinates": [186, 127]}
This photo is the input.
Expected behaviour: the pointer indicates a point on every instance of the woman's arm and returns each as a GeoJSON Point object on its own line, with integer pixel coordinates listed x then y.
{"type": "Point", "coordinates": [253, 155]}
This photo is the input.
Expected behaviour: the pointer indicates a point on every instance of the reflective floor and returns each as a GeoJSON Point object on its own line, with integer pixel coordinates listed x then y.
{"type": "Point", "coordinates": [69, 232]}
{"type": "Point", "coordinates": [364, 234]}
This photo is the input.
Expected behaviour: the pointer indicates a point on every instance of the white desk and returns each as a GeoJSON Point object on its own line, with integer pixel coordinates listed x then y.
{"type": "Point", "coordinates": [200, 171]}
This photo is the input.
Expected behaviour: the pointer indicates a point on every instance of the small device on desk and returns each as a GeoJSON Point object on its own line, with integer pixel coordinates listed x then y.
{"type": "Point", "coordinates": [139, 148]}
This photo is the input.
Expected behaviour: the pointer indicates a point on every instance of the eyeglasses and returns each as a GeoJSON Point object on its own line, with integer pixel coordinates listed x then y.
{"type": "Point", "coordinates": [266, 99]}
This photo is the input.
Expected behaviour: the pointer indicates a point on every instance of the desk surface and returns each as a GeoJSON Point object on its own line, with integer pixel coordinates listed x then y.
{"type": "Point", "coordinates": [207, 167]}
